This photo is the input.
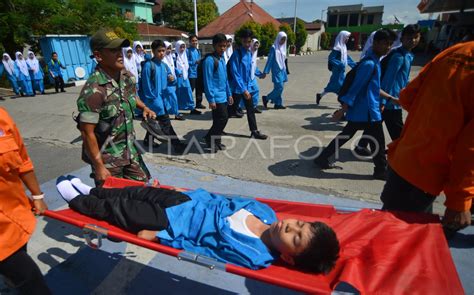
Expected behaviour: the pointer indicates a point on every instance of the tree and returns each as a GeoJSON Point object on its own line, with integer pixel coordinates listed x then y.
{"type": "Point", "coordinates": [301, 35]}
{"type": "Point", "coordinates": [179, 14]}
{"type": "Point", "coordinates": [256, 28]}
{"type": "Point", "coordinates": [267, 37]}
{"type": "Point", "coordinates": [325, 40]}
{"type": "Point", "coordinates": [291, 37]}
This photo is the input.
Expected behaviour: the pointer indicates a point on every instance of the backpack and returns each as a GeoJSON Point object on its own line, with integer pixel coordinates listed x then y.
{"type": "Point", "coordinates": [349, 79]}
{"type": "Point", "coordinates": [200, 72]}
{"type": "Point", "coordinates": [229, 66]}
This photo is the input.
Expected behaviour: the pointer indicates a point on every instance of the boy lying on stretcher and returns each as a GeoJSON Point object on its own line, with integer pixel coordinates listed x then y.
{"type": "Point", "coordinates": [237, 230]}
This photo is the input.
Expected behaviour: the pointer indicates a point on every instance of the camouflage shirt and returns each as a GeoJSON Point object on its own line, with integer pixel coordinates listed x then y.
{"type": "Point", "coordinates": [102, 99]}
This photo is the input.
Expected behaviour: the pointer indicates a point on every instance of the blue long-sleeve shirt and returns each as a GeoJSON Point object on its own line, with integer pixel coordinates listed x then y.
{"type": "Point", "coordinates": [396, 75]}
{"type": "Point", "coordinates": [364, 92]}
{"type": "Point", "coordinates": [200, 226]}
{"type": "Point", "coordinates": [241, 67]}
{"type": "Point", "coordinates": [55, 68]}
{"type": "Point", "coordinates": [278, 75]}
{"type": "Point", "coordinates": [216, 84]}
{"type": "Point", "coordinates": [152, 91]}
{"type": "Point", "coordinates": [194, 55]}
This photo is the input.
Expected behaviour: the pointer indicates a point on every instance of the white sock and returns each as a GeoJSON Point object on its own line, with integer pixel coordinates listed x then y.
{"type": "Point", "coordinates": [323, 93]}
{"type": "Point", "coordinates": [83, 188]}
{"type": "Point", "coordinates": [66, 190]}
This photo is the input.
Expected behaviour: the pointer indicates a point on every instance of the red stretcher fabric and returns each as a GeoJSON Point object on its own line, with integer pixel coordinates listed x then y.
{"type": "Point", "coordinates": [381, 252]}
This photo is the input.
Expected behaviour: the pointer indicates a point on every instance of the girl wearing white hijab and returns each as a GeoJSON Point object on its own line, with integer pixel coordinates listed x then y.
{"type": "Point", "coordinates": [228, 52]}
{"type": "Point", "coordinates": [337, 62]}
{"type": "Point", "coordinates": [171, 100]}
{"type": "Point", "coordinates": [129, 63]}
{"type": "Point", "coordinates": [276, 63]}
{"type": "Point", "coordinates": [9, 68]}
{"type": "Point", "coordinates": [367, 45]}
{"type": "Point", "coordinates": [138, 54]}
{"type": "Point", "coordinates": [36, 72]}
{"type": "Point", "coordinates": [23, 75]}
{"type": "Point", "coordinates": [254, 74]}
{"type": "Point", "coordinates": [183, 90]}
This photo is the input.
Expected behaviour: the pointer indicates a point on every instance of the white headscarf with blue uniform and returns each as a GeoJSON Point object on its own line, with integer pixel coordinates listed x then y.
{"type": "Point", "coordinates": [280, 50]}
{"type": "Point", "coordinates": [340, 45]}
{"type": "Point", "coordinates": [21, 64]}
{"type": "Point", "coordinates": [168, 60]}
{"type": "Point", "coordinates": [181, 59]}
{"type": "Point", "coordinates": [254, 58]}
{"type": "Point", "coordinates": [9, 64]}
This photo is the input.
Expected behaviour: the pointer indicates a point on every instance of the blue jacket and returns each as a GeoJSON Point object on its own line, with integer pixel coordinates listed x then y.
{"type": "Point", "coordinates": [216, 85]}
{"type": "Point", "coordinates": [396, 75]}
{"type": "Point", "coordinates": [153, 90]}
{"type": "Point", "coordinates": [194, 55]}
{"type": "Point", "coordinates": [240, 68]}
{"type": "Point", "coordinates": [55, 67]}
{"type": "Point", "coordinates": [364, 92]}
{"type": "Point", "coordinates": [200, 226]}
{"type": "Point", "coordinates": [278, 75]}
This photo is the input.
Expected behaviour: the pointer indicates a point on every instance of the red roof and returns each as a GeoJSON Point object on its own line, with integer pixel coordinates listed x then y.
{"type": "Point", "coordinates": [154, 30]}
{"type": "Point", "coordinates": [235, 17]}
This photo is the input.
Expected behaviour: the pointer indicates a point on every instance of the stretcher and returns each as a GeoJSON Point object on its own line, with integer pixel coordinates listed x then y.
{"type": "Point", "coordinates": [381, 252]}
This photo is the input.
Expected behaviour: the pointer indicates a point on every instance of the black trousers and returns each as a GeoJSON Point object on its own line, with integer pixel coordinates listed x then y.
{"type": "Point", "coordinates": [167, 128]}
{"type": "Point", "coordinates": [192, 81]}
{"type": "Point", "coordinates": [23, 273]}
{"type": "Point", "coordinates": [393, 120]}
{"type": "Point", "coordinates": [58, 83]}
{"type": "Point", "coordinates": [373, 129]}
{"type": "Point", "coordinates": [248, 106]}
{"type": "Point", "coordinates": [219, 121]}
{"type": "Point", "coordinates": [131, 208]}
{"type": "Point", "coordinates": [400, 195]}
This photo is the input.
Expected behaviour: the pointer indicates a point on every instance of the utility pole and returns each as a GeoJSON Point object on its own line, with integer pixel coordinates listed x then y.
{"type": "Point", "coordinates": [195, 18]}
{"type": "Point", "coordinates": [294, 23]}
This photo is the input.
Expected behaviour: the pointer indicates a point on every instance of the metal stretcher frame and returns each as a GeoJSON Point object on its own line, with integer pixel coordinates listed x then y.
{"type": "Point", "coordinates": [279, 274]}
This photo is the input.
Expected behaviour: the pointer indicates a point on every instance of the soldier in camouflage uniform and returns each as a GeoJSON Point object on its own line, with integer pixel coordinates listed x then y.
{"type": "Point", "coordinates": [106, 106]}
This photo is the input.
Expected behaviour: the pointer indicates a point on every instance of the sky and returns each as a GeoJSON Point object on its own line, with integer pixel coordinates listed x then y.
{"type": "Point", "coordinates": [310, 10]}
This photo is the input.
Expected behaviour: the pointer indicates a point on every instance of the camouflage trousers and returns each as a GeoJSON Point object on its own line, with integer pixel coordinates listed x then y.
{"type": "Point", "coordinates": [136, 170]}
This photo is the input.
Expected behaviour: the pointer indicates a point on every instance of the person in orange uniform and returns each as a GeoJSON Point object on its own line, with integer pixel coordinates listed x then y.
{"type": "Point", "coordinates": [17, 221]}
{"type": "Point", "coordinates": [436, 149]}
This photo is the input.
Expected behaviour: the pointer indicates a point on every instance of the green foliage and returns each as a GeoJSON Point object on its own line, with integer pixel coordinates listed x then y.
{"type": "Point", "coordinates": [21, 19]}
{"type": "Point", "coordinates": [180, 13]}
{"type": "Point", "coordinates": [325, 40]}
{"type": "Point", "coordinates": [301, 35]}
{"type": "Point", "coordinates": [291, 37]}
{"type": "Point", "coordinates": [264, 33]}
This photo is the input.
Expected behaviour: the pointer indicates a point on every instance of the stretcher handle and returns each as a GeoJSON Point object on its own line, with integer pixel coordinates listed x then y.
{"type": "Point", "coordinates": [201, 260]}
{"type": "Point", "coordinates": [344, 209]}
{"type": "Point", "coordinates": [93, 232]}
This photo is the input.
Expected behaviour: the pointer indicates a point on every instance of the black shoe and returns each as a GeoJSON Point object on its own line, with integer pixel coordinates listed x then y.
{"type": "Point", "coordinates": [318, 97]}
{"type": "Point", "coordinates": [195, 112]}
{"type": "Point", "coordinates": [324, 163]}
{"type": "Point", "coordinates": [154, 128]}
{"type": "Point", "coordinates": [221, 146]}
{"type": "Point", "coordinates": [236, 115]}
{"type": "Point", "coordinates": [62, 90]}
{"type": "Point", "coordinates": [200, 106]}
{"type": "Point", "coordinates": [257, 111]}
{"type": "Point", "coordinates": [362, 151]}
{"type": "Point", "coordinates": [280, 107]}
{"type": "Point", "coordinates": [179, 117]}
{"type": "Point", "coordinates": [265, 101]}
{"type": "Point", "coordinates": [258, 135]}
{"type": "Point", "coordinates": [380, 174]}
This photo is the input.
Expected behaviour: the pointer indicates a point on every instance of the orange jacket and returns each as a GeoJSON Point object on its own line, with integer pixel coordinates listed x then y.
{"type": "Point", "coordinates": [17, 222]}
{"type": "Point", "coordinates": [436, 149]}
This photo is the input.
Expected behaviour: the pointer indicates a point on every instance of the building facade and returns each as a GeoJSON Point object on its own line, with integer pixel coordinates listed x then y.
{"type": "Point", "coordinates": [137, 10]}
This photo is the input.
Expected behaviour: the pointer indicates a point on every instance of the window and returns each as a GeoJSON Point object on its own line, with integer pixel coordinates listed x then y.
{"type": "Point", "coordinates": [354, 19]}
{"type": "Point", "coordinates": [332, 21]}
{"type": "Point", "coordinates": [370, 19]}
{"type": "Point", "coordinates": [343, 20]}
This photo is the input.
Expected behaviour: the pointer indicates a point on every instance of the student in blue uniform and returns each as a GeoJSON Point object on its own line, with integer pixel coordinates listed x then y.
{"type": "Point", "coordinates": [36, 73]}
{"type": "Point", "coordinates": [130, 65]}
{"type": "Point", "coordinates": [235, 230]}
{"type": "Point", "coordinates": [254, 74]}
{"type": "Point", "coordinates": [396, 74]}
{"type": "Point", "coordinates": [183, 88]}
{"type": "Point", "coordinates": [241, 81]}
{"type": "Point", "coordinates": [9, 68]}
{"type": "Point", "coordinates": [337, 61]}
{"type": "Point", "coordinates": [276, 63]}
{"type": "Point", "coordinates": [54, 67]}
{"type": "Point", "coordinates": [22, 73]}
{"type": "Point", "coordinates": [154, 79]}
{"type": "Point", "coordinates": [194, 58]}
{"type": "Point", "coordinates": [230, 48]}
{"type": "Point", "coordinates": [361, 106]}
{"type": "Point", "coordinates": [171, 98]}
{"type": "Point", "coordinates": [218, 94]}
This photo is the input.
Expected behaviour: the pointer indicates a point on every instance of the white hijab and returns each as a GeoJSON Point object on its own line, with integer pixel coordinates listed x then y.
{"type": "Point", "coordinates": [368, 45]}
{"type": "Point", "coordinates": [181, 59]}
{"type": "Point", "coordinates": [9, 64]}
{"type": "Point", "coordinates": [129, 63]}
{"type": "Point", "coordinates": [280, 50]}
{"type": "Point", "coordinates": [139, 57]}
{"type": "Point", "coordinates": [168, 60]}
{"type": "Point", "coordinates": [340, 45]}
{"type": "Point", "coordinates": [228, 52]}
{"type": "Point", "coordinates": [254, 58]}
{"type": "Point", "coordinates": [21, 64]}
{"type": "Point", "coordinates": [33, 62]}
